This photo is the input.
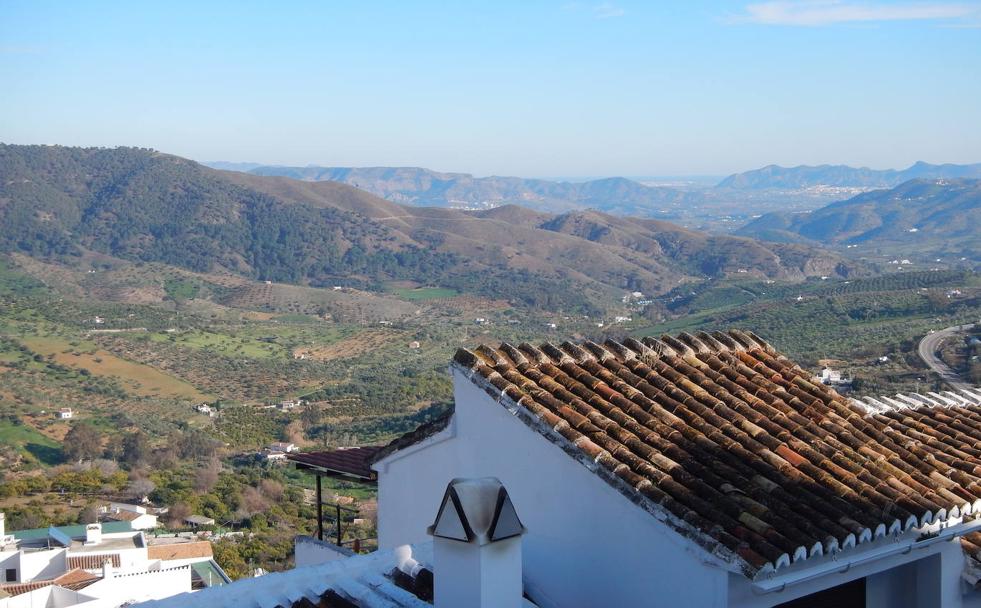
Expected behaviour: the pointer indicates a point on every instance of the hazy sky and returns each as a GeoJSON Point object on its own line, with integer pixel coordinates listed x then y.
{"type": "Point", "coordinates": [520, 88]}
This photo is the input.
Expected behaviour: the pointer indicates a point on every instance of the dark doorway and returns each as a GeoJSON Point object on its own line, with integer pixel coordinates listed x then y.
{"type": "Point", "coordinates": [10, 576]}
{"type": "Point", "coordinates": [849, 595]}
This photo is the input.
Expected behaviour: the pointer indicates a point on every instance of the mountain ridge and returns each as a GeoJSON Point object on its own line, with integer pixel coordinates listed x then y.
{"type": "Point", "coordinates": [428, 188]}
{"type": "Point", "coordinates": [143, 205]}
{"type": "Point", "coordinates": [923, 215]}
{"type": "Point", "coordinates": [805, 176]}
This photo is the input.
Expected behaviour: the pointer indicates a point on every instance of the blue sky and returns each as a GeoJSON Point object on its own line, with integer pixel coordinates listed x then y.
{"type": "Point", "coordinates": [559, 88]}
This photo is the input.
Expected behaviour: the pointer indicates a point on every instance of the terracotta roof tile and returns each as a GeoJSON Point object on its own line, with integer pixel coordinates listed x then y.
{"type": "Point", "coordinates": [357, 461]}
{"type": "Point", "coordinates": [737, 443]}
{"type": "Point", "coordinates": [92, 562]}
{"type": "Point", "coordinates": [169, 551]}
{"type": "Point", "coordinates": [123, 515]}
{"type": "Point", "coordinates": [21, 588]}
{"type": "Point", "coordinates": [350, 461]}
{"type": "Point", "coordinates": [74, 579]}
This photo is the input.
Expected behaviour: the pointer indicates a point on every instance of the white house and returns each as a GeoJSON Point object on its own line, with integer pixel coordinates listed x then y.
{"type": "Point", "coordinates": [96, 566]}
{"type": "Point", "coordinates": [281, 446]}
{"type": "Point", "coordinates": [832, 377]}
{"type": "Point", "coordinates": [137, 516]}
{"type": "Point", "coordinates": [701, 471]}
{"type": "Point", "coordinates": [65, 413]}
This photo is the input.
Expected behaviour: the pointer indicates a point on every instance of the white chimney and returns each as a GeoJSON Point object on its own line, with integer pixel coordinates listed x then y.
{"type": "Point", "coordinates": [93, 534]}
{"type": "Point", "coordinates": [107, 569]}
{"type": "Point", "coordinates": [477, 547]}
{"type": "Point", "coordinates": [3, 524]}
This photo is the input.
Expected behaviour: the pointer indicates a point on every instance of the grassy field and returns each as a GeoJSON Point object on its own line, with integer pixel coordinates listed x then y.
{"type": "Point", "coordinates": [29, 442]}
{"type": "Point", "coordinates": [139, 379]}
{"type": "Point", "coordinates": [230, 344]}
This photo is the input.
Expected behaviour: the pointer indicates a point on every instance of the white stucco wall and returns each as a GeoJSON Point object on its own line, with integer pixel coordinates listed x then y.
{"type": "Point", "coordinates": [144, 522]}
{"type": "Point", "coordinates": [138, 587]}
{"type": "Point", "coordinates": [9, 559]}
{"type": "Point", "coordinates": [586, 544]}
{"type": "Point", "coordinates": [42, 564]}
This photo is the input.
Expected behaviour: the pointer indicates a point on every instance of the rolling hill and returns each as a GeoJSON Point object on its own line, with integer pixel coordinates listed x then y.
{"type": "Point", "coordinates": [919, 215]}
{"type": "Point", "coordinates": [145, 206]}
{"type": "Point", "coordinates": [794, 178]}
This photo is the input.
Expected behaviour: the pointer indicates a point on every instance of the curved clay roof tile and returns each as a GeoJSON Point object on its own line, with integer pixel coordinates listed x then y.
{"type": "Point", "coordinates": [681, 349]}
{"type": "Point", "coordinates": [532, 352]}
{"type": "Point", "coordinates": [714, 344]}
{"type": "Point", "coordinates": [619, 349]}
{"type": "Point", "coordinates": [576, 352]}
{"type": "Point", "coordinates": [514, 354]}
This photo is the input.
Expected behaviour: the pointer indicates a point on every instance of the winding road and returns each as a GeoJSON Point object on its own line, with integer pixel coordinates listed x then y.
{"type": "Point", "coordinates": [928, 348]}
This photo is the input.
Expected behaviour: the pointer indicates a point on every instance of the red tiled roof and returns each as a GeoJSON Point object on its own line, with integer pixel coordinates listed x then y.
{"type": "Point", "coordinates": [351, 461]}
{"type": "Point", "coordinates": [21, 588]}
{"type": "Point", "coordinates": [413, 437]}
{"type": "Point", "coordinates": [201, 548]}
{"type": "Point", "coordinates": [76, 579]}
{"type": "Point", "coordinates": [92, 562]}
{"type": "Point", "coordinates": [123, 515]}
{"type": "Point", "coordinates": [747, 455]}
{"type": "Point", "coordinates": [73, 579]}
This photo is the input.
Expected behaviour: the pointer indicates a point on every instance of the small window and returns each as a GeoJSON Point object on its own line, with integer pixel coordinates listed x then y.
{"type": "Point", "coordinates": [10, 575]}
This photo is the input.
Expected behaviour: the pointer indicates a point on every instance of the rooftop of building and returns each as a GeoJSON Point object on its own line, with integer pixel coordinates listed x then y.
{"type": "Point", "coordinates": [74, 580]}
{"type": "Point", "coordinates": [180, 550]}
{"type": "Point", "coordinates": [735, 447]}
{"type": "Point", "coordinates": [396, 579]}
{"type": "Point", "coordinates": [351, 462]}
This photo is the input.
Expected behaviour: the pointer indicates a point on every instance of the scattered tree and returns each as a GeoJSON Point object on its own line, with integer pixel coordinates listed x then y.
{"type": "Point", "coordinates": [83, 442]}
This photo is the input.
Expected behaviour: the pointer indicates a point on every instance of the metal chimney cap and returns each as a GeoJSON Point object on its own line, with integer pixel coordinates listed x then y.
{"type": "Point", "coordinates": [476, 511]}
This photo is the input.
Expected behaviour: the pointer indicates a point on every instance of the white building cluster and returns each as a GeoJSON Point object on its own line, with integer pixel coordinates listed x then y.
{"type": "Point", "coordinates": [99, 566]}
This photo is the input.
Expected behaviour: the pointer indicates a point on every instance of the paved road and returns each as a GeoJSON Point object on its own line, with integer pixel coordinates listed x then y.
{"type": "Point", "coordinates": [928, 348]}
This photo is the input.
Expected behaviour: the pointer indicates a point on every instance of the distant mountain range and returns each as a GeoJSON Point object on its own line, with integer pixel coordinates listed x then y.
{"type": "Point", "coordinates": [920, 215]}
{"type": "Point", "coordinates": [62, 203]}
{"type": "Point", "coordinates": [425, 188]}
{"type": "Point", "coordinates": [734, 199]}
{"type": "Point", "coordinates": [792, 178]}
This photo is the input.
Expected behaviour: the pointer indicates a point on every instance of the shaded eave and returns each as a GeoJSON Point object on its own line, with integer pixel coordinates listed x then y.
{"type": "Point", "coordinates": [352, 463]}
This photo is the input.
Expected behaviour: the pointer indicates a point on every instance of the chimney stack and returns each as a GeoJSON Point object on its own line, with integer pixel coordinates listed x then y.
{"type": "Point", "coordinates": [93, 534]}
{"type": "Point", "coordinates": [107, 569]}
{"type": "Point", "coordinates": [477, 547]}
